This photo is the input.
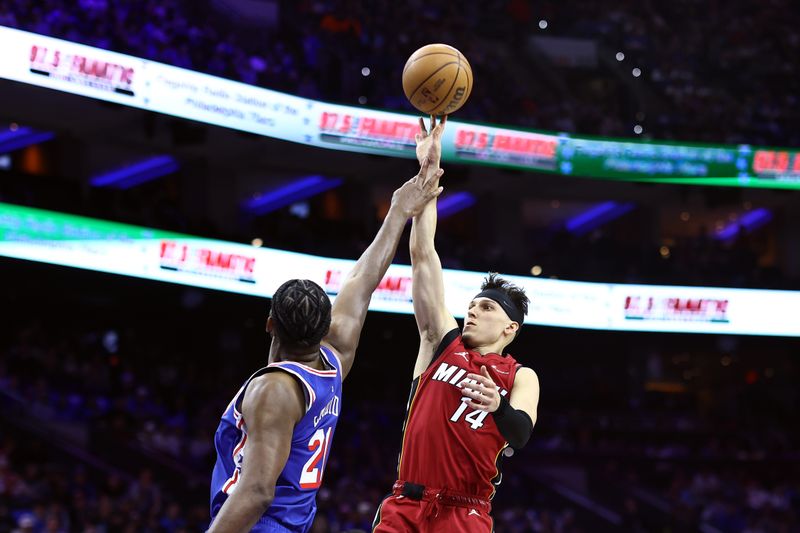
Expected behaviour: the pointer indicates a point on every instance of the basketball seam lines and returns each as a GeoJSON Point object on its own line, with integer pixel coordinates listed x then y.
{"type": "Point", "coordinates": [426, 55]}
{"type": "Point", "coordinates": [455, 79]}
{"type": "Point", "coordinates": [469, 82]}
{"type": "Point", "coordinates": [432, 75]}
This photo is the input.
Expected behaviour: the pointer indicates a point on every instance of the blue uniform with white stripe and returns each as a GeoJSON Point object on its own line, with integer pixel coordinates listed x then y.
{"type": "Point", "coordinates": [294, 505]}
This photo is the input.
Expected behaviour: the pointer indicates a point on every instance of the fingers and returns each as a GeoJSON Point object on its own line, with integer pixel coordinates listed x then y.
{"type": "Point", "coordinates": [478, 388]}
{"type": "Point", "coordinates": [482, 385]}
{"type": "Point", "coordinates": [423, 168]}
{"type": "Point", "coordinates": [472, 394]}
{"type": "Point", "coordinates": [481, 390]}
{"type": "Point", "coordinates": [428, 179]}
{"type": "Point", "coordinates": [436, 129]}
{"type": "Point", "coordinates": [478, 400]}
{"type": "Point", "coordinates": [483, 378]}
{"type": "Point", "coordinates": [437, 132]}
{"type": "Point", "coordinates": [478, 406]}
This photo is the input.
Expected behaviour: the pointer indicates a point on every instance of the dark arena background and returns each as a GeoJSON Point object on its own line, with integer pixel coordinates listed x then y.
{"type": "Point", "coordinates": [166, 164]}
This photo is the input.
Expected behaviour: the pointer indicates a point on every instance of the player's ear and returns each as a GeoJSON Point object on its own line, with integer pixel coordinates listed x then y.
{"type": "Point", "coordinates": [512, 328]}
{"type": "Point", "coordinates": [270, 325]}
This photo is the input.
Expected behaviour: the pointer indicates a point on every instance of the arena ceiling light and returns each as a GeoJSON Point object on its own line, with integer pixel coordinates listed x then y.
{"type": "Point", "coordinates": [20, 137]}
{"type": "Point", "coordinates": [451, 204]}
{"type": "Point", "coordinates": [137, 173]}
{"type": "Point", "coordinates": [750, 221]}
{"type": "Point", "coordinates": [292, 192]}
{"type": "Point", "coordinates": [596, 216]}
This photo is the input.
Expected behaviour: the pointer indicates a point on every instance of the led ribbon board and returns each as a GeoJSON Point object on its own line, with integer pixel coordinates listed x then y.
{"type": "Point", "coordinates": [68, 240]}
{"type": "Point", "coordinates": [96, 73]}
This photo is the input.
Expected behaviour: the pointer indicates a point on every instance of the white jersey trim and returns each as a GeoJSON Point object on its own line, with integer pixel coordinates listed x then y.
{"type": "Point", "coordinates": [311, 396]}
{"type": "Point", "coordinates": [333, 352]}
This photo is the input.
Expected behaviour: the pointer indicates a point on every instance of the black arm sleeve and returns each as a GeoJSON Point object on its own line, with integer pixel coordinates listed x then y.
{"type": "Point", "coordinates": [514, 424]}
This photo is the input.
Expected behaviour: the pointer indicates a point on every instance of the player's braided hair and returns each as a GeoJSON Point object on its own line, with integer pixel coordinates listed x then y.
{"type": "Point", "coordinates": [302, 313]}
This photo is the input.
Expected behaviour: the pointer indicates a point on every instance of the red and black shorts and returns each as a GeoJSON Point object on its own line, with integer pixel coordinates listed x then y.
{"type": "Point", "coordinates": [417, 509]}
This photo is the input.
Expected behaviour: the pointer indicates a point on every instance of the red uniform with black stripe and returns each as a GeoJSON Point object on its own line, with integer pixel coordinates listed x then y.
{"type": "Point", "coordinates": [448, 447]}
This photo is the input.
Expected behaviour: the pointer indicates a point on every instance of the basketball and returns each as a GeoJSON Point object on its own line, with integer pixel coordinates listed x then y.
{"type": "Point", "coordinates": [437, 79]}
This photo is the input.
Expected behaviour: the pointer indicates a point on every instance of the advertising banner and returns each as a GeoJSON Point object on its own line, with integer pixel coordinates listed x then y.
{"type": "Point", "coordinates": [80, 242]}
{"type": "Point", "coordinates": [70, 67]}
{"type": "Point", "coordinates": [95, 73]}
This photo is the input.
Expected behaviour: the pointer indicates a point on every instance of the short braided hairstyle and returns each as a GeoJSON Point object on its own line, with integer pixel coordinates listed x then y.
{"type": "Point", "coordinates": [301, 311]}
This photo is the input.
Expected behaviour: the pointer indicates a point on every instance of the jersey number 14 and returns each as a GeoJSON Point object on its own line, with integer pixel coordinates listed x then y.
{"type": "Point", "coordinates": [476, 417]}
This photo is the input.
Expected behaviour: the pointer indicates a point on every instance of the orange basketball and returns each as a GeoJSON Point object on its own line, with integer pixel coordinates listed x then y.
{"type": "Point", "coordinates": [437, 79]}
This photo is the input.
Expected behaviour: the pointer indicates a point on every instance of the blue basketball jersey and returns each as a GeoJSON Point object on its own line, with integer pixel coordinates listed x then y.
{"type": "Point", "coordinates": [296, 489]}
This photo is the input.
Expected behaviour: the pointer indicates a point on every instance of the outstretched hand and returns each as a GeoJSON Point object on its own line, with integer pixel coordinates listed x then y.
{"type": "Point", "coordinates": [415, 194]}
{"type": "Point", "coordinates": [429, 142]}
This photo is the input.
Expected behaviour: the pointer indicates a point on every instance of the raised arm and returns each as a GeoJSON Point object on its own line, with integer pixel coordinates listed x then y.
{"type": "Point", "coordinates": [433, 318]}
{"type": "Point", "coordinates": [350, 307]}
{"type": "Point", "coordinates": [272, 406]}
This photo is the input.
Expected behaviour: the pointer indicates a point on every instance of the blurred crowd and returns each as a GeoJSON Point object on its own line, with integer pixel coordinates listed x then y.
{"type": "Point", "coordinates": [736, 501]}
{"type": "Point", "coordinates": [140, 406]}
{"type": "Point", "coordinates": [41, 492]}
{"type": "Point", "coordinates": [716, 66]}
{"type": "Point", "coordinates": [145, 415]}
{"type": "Point", "coordinates": [611, 254]}
{"type": "Point", "coordinates": [631, 249]}
{"type": "Point", "coordinates": [708, 72]}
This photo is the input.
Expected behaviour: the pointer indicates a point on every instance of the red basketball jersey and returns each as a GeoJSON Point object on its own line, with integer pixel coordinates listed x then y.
{"type": "Point", "coordinates": [446, 443]}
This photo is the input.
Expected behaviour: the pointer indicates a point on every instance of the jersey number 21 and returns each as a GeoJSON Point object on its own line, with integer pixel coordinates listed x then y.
{"type": "Point", "coordinates": [311, 476]}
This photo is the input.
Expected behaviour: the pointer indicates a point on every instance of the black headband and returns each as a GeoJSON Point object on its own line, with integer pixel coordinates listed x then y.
{"type": "Point", "coordinates": [505, 302]}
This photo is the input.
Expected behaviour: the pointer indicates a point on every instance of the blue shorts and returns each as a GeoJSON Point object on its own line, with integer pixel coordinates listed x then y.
{"type": "Point", "coordinates": [268, 525]}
